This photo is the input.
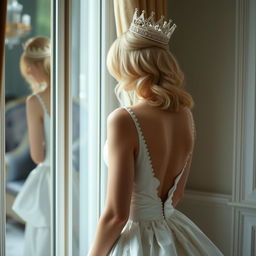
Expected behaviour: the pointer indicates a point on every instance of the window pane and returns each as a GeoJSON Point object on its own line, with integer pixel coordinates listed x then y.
{"type": "Point", "coordinates": [85, 77]}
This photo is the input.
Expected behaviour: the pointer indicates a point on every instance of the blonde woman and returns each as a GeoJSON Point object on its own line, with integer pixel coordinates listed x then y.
{"type": "Point", "coordinates": [33, 202]}
{"type": "Point", "coordinates": [149, 151]}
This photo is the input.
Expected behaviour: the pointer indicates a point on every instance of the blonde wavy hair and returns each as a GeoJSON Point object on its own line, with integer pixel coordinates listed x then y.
{"type": "Point", "coordinates": [39, 42]}
{"type": "Point", "coordinates": [147, 69]}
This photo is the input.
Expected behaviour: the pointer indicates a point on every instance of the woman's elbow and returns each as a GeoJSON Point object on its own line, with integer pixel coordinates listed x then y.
{"type": "Point", "coordinates": [117, 218]}
{"type": "Point", "coordinates": [120, 219]}
{"type": "Point", "coordinates": [37, 158]}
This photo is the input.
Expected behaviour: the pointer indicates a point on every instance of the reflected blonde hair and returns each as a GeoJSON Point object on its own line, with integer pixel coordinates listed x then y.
{"type": "Point", "coordinates": [35, 43]}
{"type": "Point", "coordinates": [147, 69]}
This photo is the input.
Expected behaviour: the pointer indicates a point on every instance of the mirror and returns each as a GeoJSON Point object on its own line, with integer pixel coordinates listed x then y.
{"type": "Point", "coordinates": [26, 20]}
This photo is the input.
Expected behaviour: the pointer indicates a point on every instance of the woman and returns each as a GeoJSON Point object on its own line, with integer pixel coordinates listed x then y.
{"type": "Point", "coordinates": [149, 151]}
{"type": "Point", "coordinates": [33, 202]}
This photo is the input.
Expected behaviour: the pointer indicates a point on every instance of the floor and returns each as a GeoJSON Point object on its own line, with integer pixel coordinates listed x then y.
{"type": "Point", "coordinates": [14, 238]}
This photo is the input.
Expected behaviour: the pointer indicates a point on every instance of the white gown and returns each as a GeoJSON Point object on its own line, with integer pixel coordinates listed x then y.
{"type": "Point", "coordinates": [33, 203]}
{"type": "Point", "coordinates": [156, 228]}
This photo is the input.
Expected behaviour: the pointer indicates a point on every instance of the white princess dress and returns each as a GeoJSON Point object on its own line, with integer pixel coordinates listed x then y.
{"type": "Point", "coordinates": [33, 202]}
{"type": "Point", "coordinates": [156, 228]}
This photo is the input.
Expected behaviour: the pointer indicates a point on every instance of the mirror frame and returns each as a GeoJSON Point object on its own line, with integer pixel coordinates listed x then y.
{"type": "Point", "coordinates": [59, 129]}
{"type": "Point", "coordinates": [3, 10]}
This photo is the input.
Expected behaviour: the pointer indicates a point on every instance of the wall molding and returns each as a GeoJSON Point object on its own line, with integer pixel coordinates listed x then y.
{"type": "Point", "coordinates": [207, 198]}
{"type": "Point", "coordinates": [243, 205]}
{"type": "Point", "coordinates": [245, 232]}
{"type": "Point", "coordinates": [253, 240]}
{"type": "Point", "coordinates": [244, 191]}
{"type": "Point", "coordinates": [244, 177]}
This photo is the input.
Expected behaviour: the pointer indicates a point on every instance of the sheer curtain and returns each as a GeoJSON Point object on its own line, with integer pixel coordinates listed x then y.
{"type": "Point", "coordinates": [124, 11]}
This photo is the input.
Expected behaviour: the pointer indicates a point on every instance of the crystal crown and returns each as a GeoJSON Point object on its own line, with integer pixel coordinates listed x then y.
{"type": "Point", "coordinates": [37, 53]}
{"type": "Point", "coordinates": [159, 31]}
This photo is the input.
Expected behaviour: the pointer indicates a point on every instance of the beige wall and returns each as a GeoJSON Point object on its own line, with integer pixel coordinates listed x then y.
{"type": "Point", "coordinates": [204, 44]}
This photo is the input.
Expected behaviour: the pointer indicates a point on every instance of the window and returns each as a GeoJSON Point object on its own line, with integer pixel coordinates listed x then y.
{"type": "Point", "coordinates": [92, 99]}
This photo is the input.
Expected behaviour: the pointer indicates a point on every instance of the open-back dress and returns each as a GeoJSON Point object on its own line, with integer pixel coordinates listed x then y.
{"type": "Point", "coordinates": [156, 228]}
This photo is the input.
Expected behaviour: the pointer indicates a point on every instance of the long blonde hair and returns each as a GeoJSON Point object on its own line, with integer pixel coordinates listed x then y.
{"type": "Point", "coordinates": [147, 69]}
{"type": "Point", "coordinates": [35, 43]}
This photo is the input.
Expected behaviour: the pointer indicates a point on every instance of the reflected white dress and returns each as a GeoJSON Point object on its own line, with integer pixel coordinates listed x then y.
{"type": "Point", "coordinates": [33, 202]}
{"type": "Point", "coordinates": [156, 228]}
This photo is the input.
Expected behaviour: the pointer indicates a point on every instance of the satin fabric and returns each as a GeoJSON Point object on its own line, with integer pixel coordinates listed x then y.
{"type": "Point", "coordinates": [156, 228]}
{"type": "Point", "coordinates": [33, 203]}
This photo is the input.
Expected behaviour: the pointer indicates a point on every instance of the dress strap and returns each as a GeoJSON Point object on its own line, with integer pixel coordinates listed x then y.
{"type": "Point", "coordinates": [192, 123]}
{"type": "Point", "coordinates": [178, 177]}
{"type": "Point", "coordinates": [143, 143]}
{"type": "Point", "coordinates": [42, 103]}
{"type": "Point", "coordinates": [136, 122]}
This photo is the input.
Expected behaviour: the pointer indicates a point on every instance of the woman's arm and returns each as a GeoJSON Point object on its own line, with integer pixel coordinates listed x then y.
{"type": "Point", "coordinates": [121, 138]}
{"type": "Point", "coordinates": [35, 129]}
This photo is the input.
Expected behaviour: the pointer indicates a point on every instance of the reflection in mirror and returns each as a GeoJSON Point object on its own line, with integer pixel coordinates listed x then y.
{"type": "Point", "coordinates": [27, 81]}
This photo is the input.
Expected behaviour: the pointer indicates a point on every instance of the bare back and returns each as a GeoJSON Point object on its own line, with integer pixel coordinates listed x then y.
{"type": "Point", "coordinates": [169, 137]}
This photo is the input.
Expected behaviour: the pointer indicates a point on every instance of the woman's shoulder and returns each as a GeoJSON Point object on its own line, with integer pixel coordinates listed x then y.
{"type": "Point", "coordinates": [120, 128]}
{"type": "Point", "coordinates": [33, 104]}
{"type": "Point", "coordinates": [32, 100]}
{"type": "Point", "coordinates": [119, 115]}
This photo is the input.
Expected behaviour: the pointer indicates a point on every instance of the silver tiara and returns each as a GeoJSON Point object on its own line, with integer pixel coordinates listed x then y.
{"type": "Point", "coordinates": [159, 31]}
{"type": "Point", "coordinates": [38, 53]}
